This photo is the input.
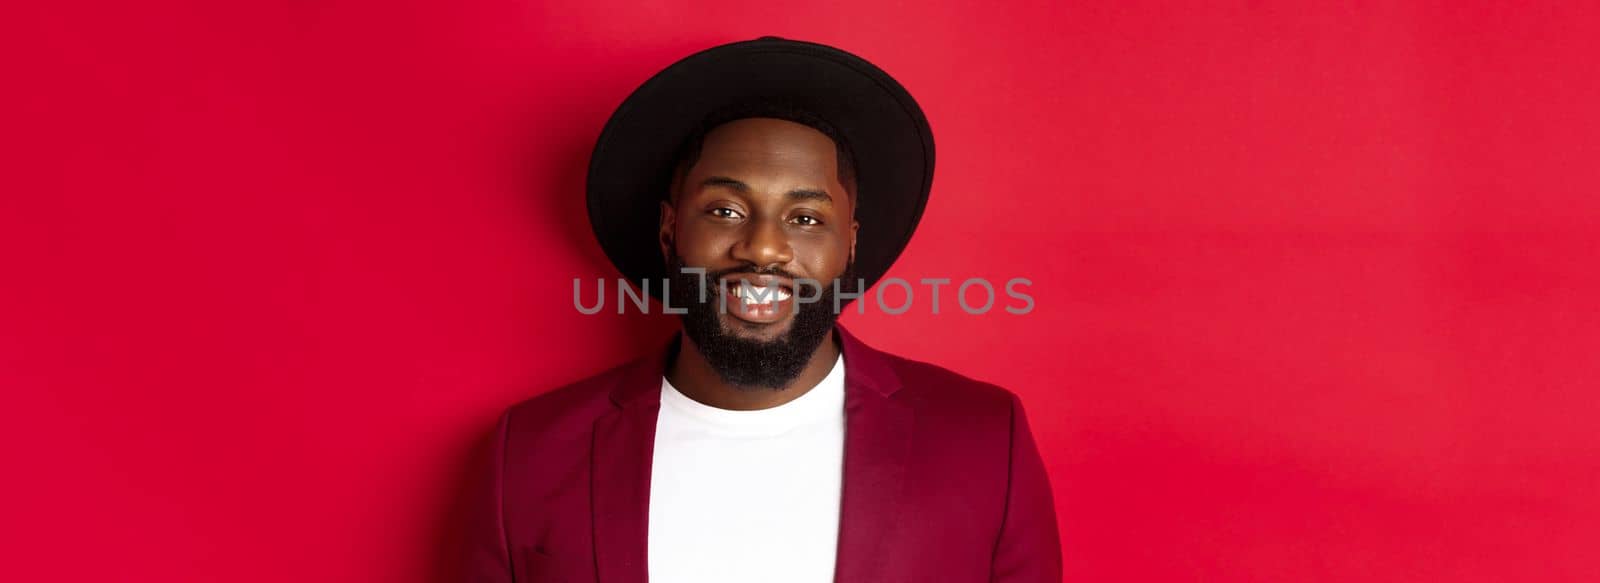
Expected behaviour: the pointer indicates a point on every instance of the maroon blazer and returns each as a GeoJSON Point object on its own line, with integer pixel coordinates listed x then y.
{"type": "Point", "coordinates": [942, 481]}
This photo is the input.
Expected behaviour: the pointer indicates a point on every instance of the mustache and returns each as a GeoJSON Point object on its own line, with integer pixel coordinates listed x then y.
{"type": "Point", "coordinates": [751, 270]}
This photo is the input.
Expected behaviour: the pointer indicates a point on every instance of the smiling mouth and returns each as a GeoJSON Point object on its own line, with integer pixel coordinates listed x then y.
{"type": "Point", "coordinates": [759, 304]}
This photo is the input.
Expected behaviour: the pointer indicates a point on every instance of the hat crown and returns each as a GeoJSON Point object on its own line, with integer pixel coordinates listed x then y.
{"type": "Point", "coordinates": [890, 142]}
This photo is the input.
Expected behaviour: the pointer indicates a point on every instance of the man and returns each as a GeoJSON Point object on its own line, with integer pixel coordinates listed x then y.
{"type": "Point", "coordinates": [762, 185]}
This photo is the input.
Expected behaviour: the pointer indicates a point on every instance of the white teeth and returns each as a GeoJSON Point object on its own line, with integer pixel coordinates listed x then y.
{"type": "Point", "coordinates": [753, 294]}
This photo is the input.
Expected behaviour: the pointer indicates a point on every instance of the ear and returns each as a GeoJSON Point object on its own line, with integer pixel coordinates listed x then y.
{"type": "Point", "coordinates": [854, 226]}
{"type": "Point", "coordinates": [669, 228]}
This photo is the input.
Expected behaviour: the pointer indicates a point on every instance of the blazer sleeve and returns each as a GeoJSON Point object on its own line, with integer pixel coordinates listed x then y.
{"type": "Point", "coordinates": [1029, 546]}
{"type": "Point", "coordinates": [485, 556]}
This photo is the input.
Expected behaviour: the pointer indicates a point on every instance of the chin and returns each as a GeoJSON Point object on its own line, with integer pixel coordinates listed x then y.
{"type": "Point", "coordinates": [746, 330]}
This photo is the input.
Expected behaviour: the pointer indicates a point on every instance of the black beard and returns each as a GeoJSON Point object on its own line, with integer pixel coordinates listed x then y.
{"type": "Point", "coordinates": [745, 363]}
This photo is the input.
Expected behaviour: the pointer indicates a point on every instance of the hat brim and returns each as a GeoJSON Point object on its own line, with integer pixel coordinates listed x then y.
{"type": "Point", "coordinates": [888, 135]}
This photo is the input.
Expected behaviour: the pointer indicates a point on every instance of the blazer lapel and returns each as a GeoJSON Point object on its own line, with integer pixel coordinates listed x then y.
{"type": "Point", "coordinates": [624, 444]}
{"type": "Point", "coordinates": [877, 441]}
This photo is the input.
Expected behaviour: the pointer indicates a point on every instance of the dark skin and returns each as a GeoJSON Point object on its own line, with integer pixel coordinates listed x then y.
{"type": "Point", "coordinates": [764, 192]}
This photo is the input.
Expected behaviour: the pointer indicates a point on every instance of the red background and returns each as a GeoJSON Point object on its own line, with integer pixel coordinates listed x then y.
{"type": "Point", "coordinates": [1315, 284]}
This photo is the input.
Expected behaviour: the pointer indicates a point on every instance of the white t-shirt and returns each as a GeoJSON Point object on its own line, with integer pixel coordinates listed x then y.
{"type": "Point", "coordinates": [744, 496]}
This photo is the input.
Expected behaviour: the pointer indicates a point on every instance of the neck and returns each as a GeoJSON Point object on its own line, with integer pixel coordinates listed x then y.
{"type": "Point", "coordinates": [693, 376]}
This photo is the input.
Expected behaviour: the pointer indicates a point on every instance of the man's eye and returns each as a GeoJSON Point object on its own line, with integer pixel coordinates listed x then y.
{"type": "Point", "coordinates": [725, 213]}
{"type": "Point", "coordinates": [807, 221]}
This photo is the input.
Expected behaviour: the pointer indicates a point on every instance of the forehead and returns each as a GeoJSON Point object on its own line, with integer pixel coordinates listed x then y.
{"type": "Point", "coordinates": [757, 147]}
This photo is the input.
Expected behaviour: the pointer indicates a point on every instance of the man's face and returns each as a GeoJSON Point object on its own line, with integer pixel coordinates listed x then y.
{"type": "Point", "coordinates": [762, 206]}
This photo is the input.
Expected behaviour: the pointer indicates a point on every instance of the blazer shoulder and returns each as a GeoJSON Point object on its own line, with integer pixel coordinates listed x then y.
{"type": "Point", "coordinates": [939, 387]}
{"type": "Point", "coordinates": [578, 402]}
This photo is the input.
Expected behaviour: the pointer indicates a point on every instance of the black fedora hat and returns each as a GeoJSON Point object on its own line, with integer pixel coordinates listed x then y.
{"type": "Point", "coordinates": [886, 132]}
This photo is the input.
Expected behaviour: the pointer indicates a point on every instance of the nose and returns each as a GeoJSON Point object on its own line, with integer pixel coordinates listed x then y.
{"type": "Point", "coordinates": [765, 244]}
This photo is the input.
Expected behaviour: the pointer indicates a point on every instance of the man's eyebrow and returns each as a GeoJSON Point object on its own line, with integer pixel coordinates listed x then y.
{"type": "Point", "coordinates": [810, 194]}
{"type": "Point", "coordinates": [724, 181]}
{"type": "Point", "coordinates": [738, 186]}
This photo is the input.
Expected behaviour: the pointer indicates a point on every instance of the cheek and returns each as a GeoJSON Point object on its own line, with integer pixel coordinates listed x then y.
{"type": "Point", "coordinates": [698, 245]}
{"type": "Point", "coordinates": [823, 257]}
